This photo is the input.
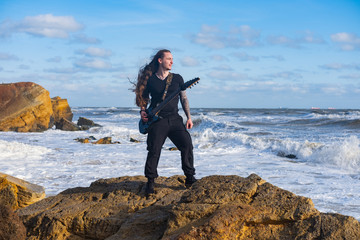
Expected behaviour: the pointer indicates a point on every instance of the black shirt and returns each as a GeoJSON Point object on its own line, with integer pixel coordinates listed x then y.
{"type": "Point", "coordinates": [156, 87]}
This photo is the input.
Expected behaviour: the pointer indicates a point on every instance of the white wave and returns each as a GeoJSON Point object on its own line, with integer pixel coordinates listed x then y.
{"type": "Point", "coordinates": [344, 154]}
{"type": "Point", "coordinates": [16, 150]}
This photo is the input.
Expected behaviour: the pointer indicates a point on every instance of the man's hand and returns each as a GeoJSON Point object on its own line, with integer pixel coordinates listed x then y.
{"type": "Point", "coordinates": [144, 117]}
{"type": "Point", "coordinates": [189, 124]}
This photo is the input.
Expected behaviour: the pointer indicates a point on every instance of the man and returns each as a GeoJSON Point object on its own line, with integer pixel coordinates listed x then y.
{"type": "Point", "coordinates": [152, 81]}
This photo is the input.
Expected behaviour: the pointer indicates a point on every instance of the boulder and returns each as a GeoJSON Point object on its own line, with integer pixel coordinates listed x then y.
{"type": "Point", "coordinates": [86, 124]}
{"type": "Point", "coordinates": [17, 193]}
{"type": "Point", "coordinates": [61, 109]}
{"type": "Point", "coordinates": [215, 207]}
{"type": "Point", "coordinates": [25, 107]}
{"type": "Point", "coordinates": [11, 227]}
{"type": "Point", "coordinates": [66, 125]}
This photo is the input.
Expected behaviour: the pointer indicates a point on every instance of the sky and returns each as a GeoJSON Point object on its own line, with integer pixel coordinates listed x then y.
{"type": "Point", "coordinates": [248, 54]}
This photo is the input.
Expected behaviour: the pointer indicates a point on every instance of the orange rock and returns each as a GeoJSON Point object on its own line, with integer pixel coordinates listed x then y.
{"type": "Point", "coordinates": [61, 109]}
{"type": "Point", "coordinates": [25, 107]}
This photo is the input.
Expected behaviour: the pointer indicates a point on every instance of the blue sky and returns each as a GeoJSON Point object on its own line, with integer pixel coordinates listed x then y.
{"type": "Point", "coordinates": [262, 54]}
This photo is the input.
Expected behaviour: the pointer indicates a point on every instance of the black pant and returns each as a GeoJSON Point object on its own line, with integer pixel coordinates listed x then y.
{"type": "Point", "coordinates": [173, 128]}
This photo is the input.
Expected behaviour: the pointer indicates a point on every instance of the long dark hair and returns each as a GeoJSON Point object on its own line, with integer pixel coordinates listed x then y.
{"type": "Point", "coordinates": [144, 74]}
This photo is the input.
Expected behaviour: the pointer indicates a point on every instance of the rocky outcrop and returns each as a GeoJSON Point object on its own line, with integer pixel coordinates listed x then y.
{"type": "Point", "coordinates": [25, 107]}
{"type": "Point", "coordinates": [11, 227]}
{"type": "Point", "coordinates": [61, 109]}
{"type": "Point", "coordinates": [216, 207]}
{"type": "Point", "coordinates": [17, 193]}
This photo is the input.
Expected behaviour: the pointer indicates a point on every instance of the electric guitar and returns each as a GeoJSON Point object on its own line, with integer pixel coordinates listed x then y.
{"type": "Point", "coordinates": [152, 114]}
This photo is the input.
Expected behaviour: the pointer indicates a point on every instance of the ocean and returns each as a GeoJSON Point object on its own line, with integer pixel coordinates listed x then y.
{"type": "Point", "coordinates": [311, 152]}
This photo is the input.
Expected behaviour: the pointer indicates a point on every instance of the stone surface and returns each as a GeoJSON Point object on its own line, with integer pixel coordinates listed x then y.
{"type": "Point", "coordinates": [61, 109]}
{"type": "Point", "coordinates": [216, 207]}
{"type": "Point", "coordinates": [17, 193]}
{"type": "Point", "coordinates": [25, 107]}
{"type": "Point", "coordinates": [66, 125]}
{"type": "Point", "coordinates": [11, 227]}
{"type": "Point", "coordinates": [86, 124]}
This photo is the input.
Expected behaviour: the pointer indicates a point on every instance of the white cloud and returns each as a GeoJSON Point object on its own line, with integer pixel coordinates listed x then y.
{"type": "Point", "coordinates": [95, 52]}
{"type": "Point", "coordinates": [242, 56]}
{"type": "Point", "coordinates": [336, 90]}
{"type": "Point", "coordinates": [8, 57]}
{"type": "Point", "coordinates": [55, 59]}
{"type": "Point", "coordinates": [95, 64]}
{"type": "Point", "coordinates": [226, 75]}
{"type": "Point", "coordinates": [340, 66]}
{"type": "Point", "coordinates": [82, 38]}
{"type": "Point", "coordinates": [46, 25]}
{"type": "Point", "coordinates": [295, 42]}
{"type": "Point", "coordinates": [189, 62]}
{"type": "Point", "coordinates": [347, 41]}
{"type": "Point", "coordinates": [236, 37]}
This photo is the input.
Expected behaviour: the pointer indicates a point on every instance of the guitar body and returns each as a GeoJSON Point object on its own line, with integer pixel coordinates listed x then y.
{"type": "Point", "coordinates": [152, 113]}
{"type": "Point", "coordinates": [144, 126]}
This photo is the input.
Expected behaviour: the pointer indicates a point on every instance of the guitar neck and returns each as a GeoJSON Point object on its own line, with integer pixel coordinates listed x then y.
{"type": "Point", "coordinates": [157, 109]}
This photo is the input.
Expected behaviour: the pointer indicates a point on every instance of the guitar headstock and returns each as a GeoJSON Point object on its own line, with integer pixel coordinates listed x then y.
{"type": "Point", "coordinates": [190, 83]}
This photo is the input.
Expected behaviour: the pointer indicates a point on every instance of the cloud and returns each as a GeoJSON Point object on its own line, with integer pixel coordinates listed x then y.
{"type": "Point", "coordinates": [46, 25]}
{"type": "Point", "coordinates": [350, 77]}
{"type": "Point", "coordinates": [287, 75]}
{"type": "Point", "coordinates": [219, 58]}
{"type": "Point", "coordinates": [189, 62]}
{"type": "Point", "coordinates": [95, 52]}
{"type": "Point", "coordinates": [346, 41]}
{"type": "Point", "coordinates": [334, 89]}
{"type": "Point", "coordinates": [82, 38]}
{"type": "Point", "coordinates": [8, 57]}
{"type": "Point", "coordinates": [226, 75]}
{"type": "Point", "coordinates": [236, 37]}
{"type": "Point", "coordinates": [296, 42]}
{"type": "Point", "coordinates": [55, 59]}
{"type": "Point", "coordinates": [94, 64]}
{"type": "Point", "coordinates": [340, 66]}
{"type": "Point", "coordinates": [242, 56]}
{"type": "Point", "coordinates": [277, 57]}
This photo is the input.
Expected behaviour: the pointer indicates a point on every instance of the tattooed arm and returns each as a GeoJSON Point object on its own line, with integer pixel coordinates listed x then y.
{"type": "Point", "coordinates": [186, 107]}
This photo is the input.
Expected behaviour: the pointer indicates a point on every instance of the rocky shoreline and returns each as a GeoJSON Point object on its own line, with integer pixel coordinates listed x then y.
{"type": "Point", "coordinates": [215, 207]}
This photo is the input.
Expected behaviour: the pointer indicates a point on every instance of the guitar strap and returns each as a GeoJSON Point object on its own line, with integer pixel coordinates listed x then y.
{"type": "Point", "coordinates": [168, 83]}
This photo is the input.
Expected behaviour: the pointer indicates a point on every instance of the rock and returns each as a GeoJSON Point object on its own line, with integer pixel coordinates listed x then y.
{"type": "Point", "coordinates": [66, 125]}
{"type": "Point", "coordinates": [86, 124]}
{"type": "Point", "coordinates": [215, 207]}
{"type": "Point", "coordinates": [61, 109]}
{"type": "Point", "coordinates": [17, 193]}
{"type": "Point", "coordinates": [82, 140]}
{"type": "Point", "coordinates": [25, 107]}
{"type": "Point", "coordinates": [134, 140]}
{"type": "Point", "coordinates": [105, 140]}
{"type": "Point", "coordinates": [11, 226]}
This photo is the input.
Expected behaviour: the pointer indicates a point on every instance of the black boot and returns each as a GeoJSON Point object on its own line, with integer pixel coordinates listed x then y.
{"type": "Point", "coordinates": [189, 181]}
{"type": "Point", "coordinates": [149, 188]}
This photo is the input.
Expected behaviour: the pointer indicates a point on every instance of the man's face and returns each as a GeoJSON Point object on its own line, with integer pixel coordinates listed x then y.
{"type": "Point", "coordinates": [166, 61]}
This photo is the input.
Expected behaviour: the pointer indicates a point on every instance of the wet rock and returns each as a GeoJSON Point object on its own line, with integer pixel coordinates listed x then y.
{"type": "Point", "coordinates": [67, 125]}
{"type": "Point", "coordinates": [17, 193]}
{"type": "Point", "coordinates": [86, 124]}
{"type": "Point", "coordinates": [134, 140]}
{"type": "Point", "coordinates": [215, 207]}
